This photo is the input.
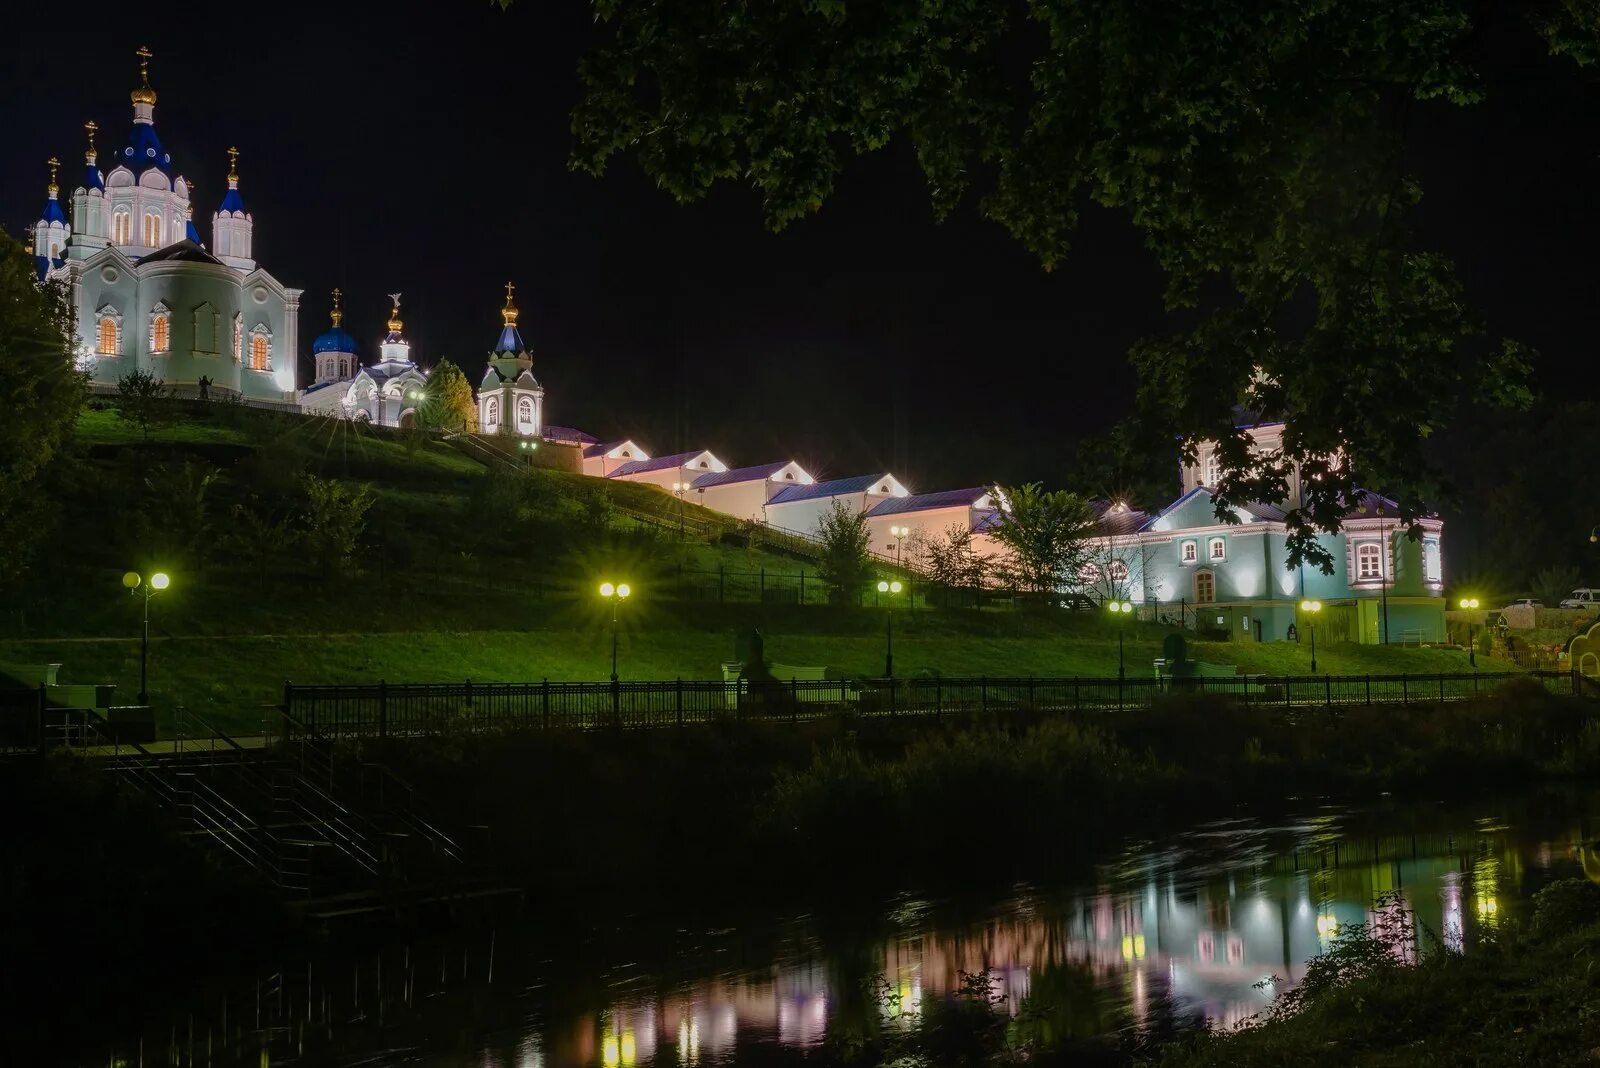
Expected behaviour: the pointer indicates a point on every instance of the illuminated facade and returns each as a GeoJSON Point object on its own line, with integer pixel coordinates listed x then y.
{"type": "Point", "coordinates": [146, 292]}
{"type": "Point", "coordinates": [510, 399]}
{"type": "Point", "coordinates": [388, 393]}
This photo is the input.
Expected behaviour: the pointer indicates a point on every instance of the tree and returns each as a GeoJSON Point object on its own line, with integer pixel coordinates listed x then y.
{"type": "Point", "coordinates": [261, 537]}
{"type": "Point", "coordinates": [950, 561]}
{"type": "Point", "coordinates": [1552, 584]}
{"type": "Point", "coordinates": [176, 510]}
{"type": "Point", "coordinates": [143, 399]}
{"type": "Point", "coordinates": [335, 517]}
{"type": "Point", "coordinates": [1259, 147]}
{"type": "Point", "coordinates": [846, 547]}
{"type": "Point", "coordinates": [43, 393]}
{"type": "Point", "coordinates": [449, 404]}
{"type": "Point", "coordinates": [1047, 537]}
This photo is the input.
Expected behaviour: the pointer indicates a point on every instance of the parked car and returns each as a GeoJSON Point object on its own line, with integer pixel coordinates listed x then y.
{"type": "Point", "coordinates": [1582, 597]}
{"type": "Point", "coordinates": [1525, 602]}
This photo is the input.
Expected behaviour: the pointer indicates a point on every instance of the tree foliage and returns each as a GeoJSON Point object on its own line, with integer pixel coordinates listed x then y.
{"type": "Point", "coordinates": [1259, 146]}
{"type": "Point", "coordinates": [335, 517]}
{"type": "Point", "coordinates": [950, 562]}
{"type": "Point", "coordinates": [144, 400]}
{"type": "Point", "coordinates": [449, 403]}
{"type": "Point", "coordinates": [42, 392]}
{"type": "Point", "coordinates": [1048, 537]}
{"type": "Point", "coordinates": [846, 546]}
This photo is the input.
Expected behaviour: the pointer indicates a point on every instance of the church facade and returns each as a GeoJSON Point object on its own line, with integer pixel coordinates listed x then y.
{"type": "Point", "coordinates": [147, 293]}
{"type": "Point", "coordinates": [388, 393]}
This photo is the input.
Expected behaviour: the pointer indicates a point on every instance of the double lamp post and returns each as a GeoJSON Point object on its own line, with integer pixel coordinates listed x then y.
{"type": "Point", "coordinates": [137, 584]}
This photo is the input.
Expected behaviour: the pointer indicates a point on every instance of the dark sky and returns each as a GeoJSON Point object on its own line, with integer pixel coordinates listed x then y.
{"type": "Point", "coordinates": [426, 152]}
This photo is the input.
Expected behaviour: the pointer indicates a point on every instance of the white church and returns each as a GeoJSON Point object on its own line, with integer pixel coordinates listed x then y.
{"type": "Point", "coordinates": [148, 295]}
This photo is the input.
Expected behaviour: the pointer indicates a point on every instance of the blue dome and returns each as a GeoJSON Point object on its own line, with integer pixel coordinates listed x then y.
{"type": "Point", "coordinates": [232, 202]}
{"type": "Point", "coordinates": [92, 178]}
{"type": "Point", "coordinates": [53, 212]}
{"type": "Point", "coordinates": [144, 151]}
{"type": "Point", "coordinates": [336, 340]}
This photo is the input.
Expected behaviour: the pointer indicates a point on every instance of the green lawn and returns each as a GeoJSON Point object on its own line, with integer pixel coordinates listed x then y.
{"type": "Point", "coordinates": [440, 592]}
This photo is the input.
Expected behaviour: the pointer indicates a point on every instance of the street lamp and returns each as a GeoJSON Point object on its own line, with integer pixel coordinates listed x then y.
{"type": "Point", "coordinates": [678, 490]}
{"type": "Point", "coordinates": [1119, 611]}
{"type": "Point", "coordinates": [900, 534]}
{"type": "Point", "coordinates": [616, 594]}
{"type": "Point", "coordinates": [1311, 608]}
{"type": "Point", "coordinates": [134, 583]}
{"type": "Point", "coordinates": [1470, 604]}
{"type": "Point", "coordinates": [888, 628]}
{"type": "Point", "coordinates": [529, 447]}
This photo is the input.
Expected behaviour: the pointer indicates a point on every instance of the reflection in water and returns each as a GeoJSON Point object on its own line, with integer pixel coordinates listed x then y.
{"type": "Point", "coordinates": [1205, 929]}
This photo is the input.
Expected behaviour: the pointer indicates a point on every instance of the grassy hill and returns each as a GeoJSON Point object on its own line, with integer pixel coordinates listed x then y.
{"type": "Point", "coordinates": [465, 572]}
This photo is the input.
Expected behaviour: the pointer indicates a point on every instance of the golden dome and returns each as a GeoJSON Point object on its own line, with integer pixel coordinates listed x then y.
{"type": "Point", "coordinates": [144, 94]}
{"type": "Point", "coordinates": [394, 316]}
{"type": "Point", "coordinates": [54, 164]}
{"type": "Point", "coordinates": [508, 314]}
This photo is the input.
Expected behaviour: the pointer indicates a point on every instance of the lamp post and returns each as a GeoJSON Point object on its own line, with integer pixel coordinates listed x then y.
{"type": "Point", "coordinates": [1120, 610]}
{"type": "Point", "coordinates": [529, 447]}
{"type": "Point", "coordinates": [1470, 604]}
{"type": "Point", "coordinates": [1311, 608]}
{"type": "Point", "coordinates": [134, 583]}
{"type": "Point", "coordinates": [678, 490]}
{"type": "Point", "coordinates": [616, 594]}
{"type": "Point", "coordinates": [888, 628]}
{"type": "Point", "coordinates": [900, 534]}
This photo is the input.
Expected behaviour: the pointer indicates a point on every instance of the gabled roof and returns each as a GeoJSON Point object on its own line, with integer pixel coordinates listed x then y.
{"type": "Point", "coordinates": [929, 502]}
{"type": "Point", "coordinates": [834, 487]}
{"type": "Point", "coordinates": [184, 251]}
{"type": "Point", "coordinates": [758, 473]}
{"type": "Point", "coordinates": [600, 448]}
{"type": "Point", "coordinates": [660, 463]}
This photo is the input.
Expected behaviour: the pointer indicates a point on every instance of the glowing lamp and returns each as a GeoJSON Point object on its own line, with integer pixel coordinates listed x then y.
{"type": "Point", "coordinates": [623, 590]}
{"type": "Point", "coordinates": [131, 580]}
{"type": "Point", "coordinates": [158, 581]}
{"type": "Point", "coordinates": [883, 587]}
{"type": "Point", "coordinates": [606, 589]}
{"type": "Point", "coordinates": [1469, 602]}
{"type": "Point", "coordinates": [1310, 606]}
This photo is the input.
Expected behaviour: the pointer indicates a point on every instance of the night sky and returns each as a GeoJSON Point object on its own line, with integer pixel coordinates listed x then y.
{"type": "Point", "coordinates": [426, 152]}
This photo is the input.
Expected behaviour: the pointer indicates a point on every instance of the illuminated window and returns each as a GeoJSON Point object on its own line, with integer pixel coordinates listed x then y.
{"type": "Point", "coordinates": [108, 340]}
{"type": "Point", "coordinates": [525, 412]}
{"type": "Point", "coordinates": [1088, 575]}
{"type": "Point", "coordinates": [121, 227]}
{"type": "Point", "coordinates": [1432, 566]}
{"type": "Point", "coordinates": [1217, 550]}
{"type": "Point", "coordinates": [1118, 571]}
{"type": "Point", "coordinates": [491, 412]}
{"type": "Point", "coordinates": [260, 352]}
{"type": "Point", "coordinates": [152, 229]}
{"type": "Point", "coordinates": [160, 332]}
{"type": "Point", "coordinates": [55, 252]}
{"type": "Point", "coordinates": [1369, 561]}
{"type": "Point", "coordinates": [1205, 587]}
{"type": "Point", "coordinates": [1189, 552]}
{"type": "Point", "coordinates": [1211, 469]}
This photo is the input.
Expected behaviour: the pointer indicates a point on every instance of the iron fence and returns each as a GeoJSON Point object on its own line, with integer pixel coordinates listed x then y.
{"type": "Point", "coordinates": [399, 710]}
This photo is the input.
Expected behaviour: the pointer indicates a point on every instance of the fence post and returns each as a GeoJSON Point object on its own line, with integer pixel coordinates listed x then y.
{"type": "Point", "coordinates": [938, 697]}
{"type": "Point", "coordinates": [983, 693]}
{"type": "Point", "coordinates": [1369, 687]}
{"type": "Point", "coordinates": [1405, 691]}
{"type": "Point", "coordinates": [383, 709]}
{"type": "Point", "coordinates": [469, 693]}
{"type": "Point", "coordinates": [1327, 689]}
{"type": "Point", "coordinates": [680, 700]}
{"type": "Point", "coordinates": [891, 695]}
{"type": "Point", "coordinates": [794, 699]}
{"type": "Point", "coordinates": [1288, 690]}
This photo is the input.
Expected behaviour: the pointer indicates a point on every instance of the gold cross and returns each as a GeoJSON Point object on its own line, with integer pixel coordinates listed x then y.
{"type": "Point", "coordinates": [144, 55]}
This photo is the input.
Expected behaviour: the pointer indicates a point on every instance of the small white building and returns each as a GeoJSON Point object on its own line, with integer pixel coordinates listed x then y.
{"type": "Point", "coordinates": [799, 508]}
{"type": "Point", "coordinates": [510, 399]}
{"type": "Point", "coordinates": [669, 471]}
{"type": "Point", "coordinates": [897, 522]}
{"type": "Point", "coordinates": [743, 492]}
{"type": "Point", "coordinates": [387, 393]}
{"type": "Point", "coordinates": [601, 458]}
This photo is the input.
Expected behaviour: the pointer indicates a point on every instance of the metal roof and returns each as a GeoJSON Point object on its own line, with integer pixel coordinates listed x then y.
{"type": "Point", "coordinates": [835, 487]}
{"type": "Point", "coordinates": [758, 473]}
{"type": "Point", "coordinates": [928, 502]}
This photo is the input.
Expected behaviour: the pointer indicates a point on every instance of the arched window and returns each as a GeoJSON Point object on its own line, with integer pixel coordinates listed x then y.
{"type": "Point", "coordinates": [152, 229]}
{"type": "Point", "coordinates": [207, 325]}
{"type": "Point", "coordinates": [1205, 587]}
{"type": "Point", "coordinates": [1118, 571]}
{"type": "Point", "coordinates": [1210, 469]}
{"type": "Point", "coordinates": [1432, 565]}
{"type": "Point", "coordinates": [491, 412]}
{"type": "Point", "coordinates": [1189, 552]}
{"type": "Point", "coordinates": [121, 227]}
{"type": "Point", "coordinates": [55, 251]}
{"type": "Point", "coordinates": [1217, 549]}
{"type": "Point", "coordinates": [108, 341]}
{"type": "Point", "coordinates": [160, 332]}
{"type": "Point", "coordinates": [1088, 575]}
{"type": "Point", "coordinates": [1369, 561]}
{"type": "Point", "coordinates": [525, 413]}
{"type": "Point", "coordinates": [260, 352]}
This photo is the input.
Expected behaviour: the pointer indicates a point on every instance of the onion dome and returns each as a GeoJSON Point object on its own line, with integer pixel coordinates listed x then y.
{"type": "Point", "coordinates": [144, 150]}
{"type": "Point", "coordinates": [232, 201]}
{"type": "Point", "coordinates": [53, 212]}
{"type": "Point", "coordinates": [395, 325]}
{"type": "Point", "coordinates": [335, 339]}
{"type": "Point", "coordinates": [510, 340]}
{"type": "Point", "coordinates": [92, 178]}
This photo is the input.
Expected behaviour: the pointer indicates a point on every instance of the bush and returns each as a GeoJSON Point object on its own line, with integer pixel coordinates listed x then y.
{"type": "Point", "coordinates": [1566, 904]}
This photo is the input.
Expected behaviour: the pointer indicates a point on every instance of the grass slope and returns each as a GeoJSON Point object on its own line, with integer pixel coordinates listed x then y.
{"type": "Point", "coordinates": [475, 574]}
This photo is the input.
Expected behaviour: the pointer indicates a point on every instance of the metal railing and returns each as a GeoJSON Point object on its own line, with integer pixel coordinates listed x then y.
{"type": "Point", "coordinates": [410, 710]}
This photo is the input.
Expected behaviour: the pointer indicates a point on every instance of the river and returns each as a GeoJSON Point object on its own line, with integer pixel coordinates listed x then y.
{"type": "Point", "coordinates": [1201, 927]}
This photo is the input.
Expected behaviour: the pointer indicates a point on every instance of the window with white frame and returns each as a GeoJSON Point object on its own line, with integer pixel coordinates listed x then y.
{"type": "Point", "coordinates": [1118, 571]}
{"type": "Point", "coordinates": [160, 328]}
{"type": "Point", "coordinates": [121, 226]}
{"type": "Point", "coordinates": [1432, 565]}
{"type": "Point", "coordinates": [1189, 552]}
{"type": "Point", "coordinates": [152, 229]}
{"type": "Point", "coordinates": [1088, 575]}
{"type": "Point", "coordinates": [108, 340]}
{"type": "Point", "coordinates": [491, 412]}
{"type": "Point", "coordinates": [260, 349]}
{"type": "Point", "coordinates": [525, 412]}
{"type": "Point", "coordinates": [1217, 549]}
{"type": "Point", "coordinates": [1369, 561]}
{"type": "Point", "coordinates": [1211, 469]}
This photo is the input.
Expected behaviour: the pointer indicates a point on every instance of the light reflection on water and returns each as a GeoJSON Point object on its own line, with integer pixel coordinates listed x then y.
{"type": "Point", "coordinates": [1205, 928]}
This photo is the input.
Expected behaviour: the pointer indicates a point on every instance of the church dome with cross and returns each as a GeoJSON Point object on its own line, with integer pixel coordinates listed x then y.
{"type": "Point", "coordinates": [510, 399]}
{"type": "Point", "coordinates": [148, 294]}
